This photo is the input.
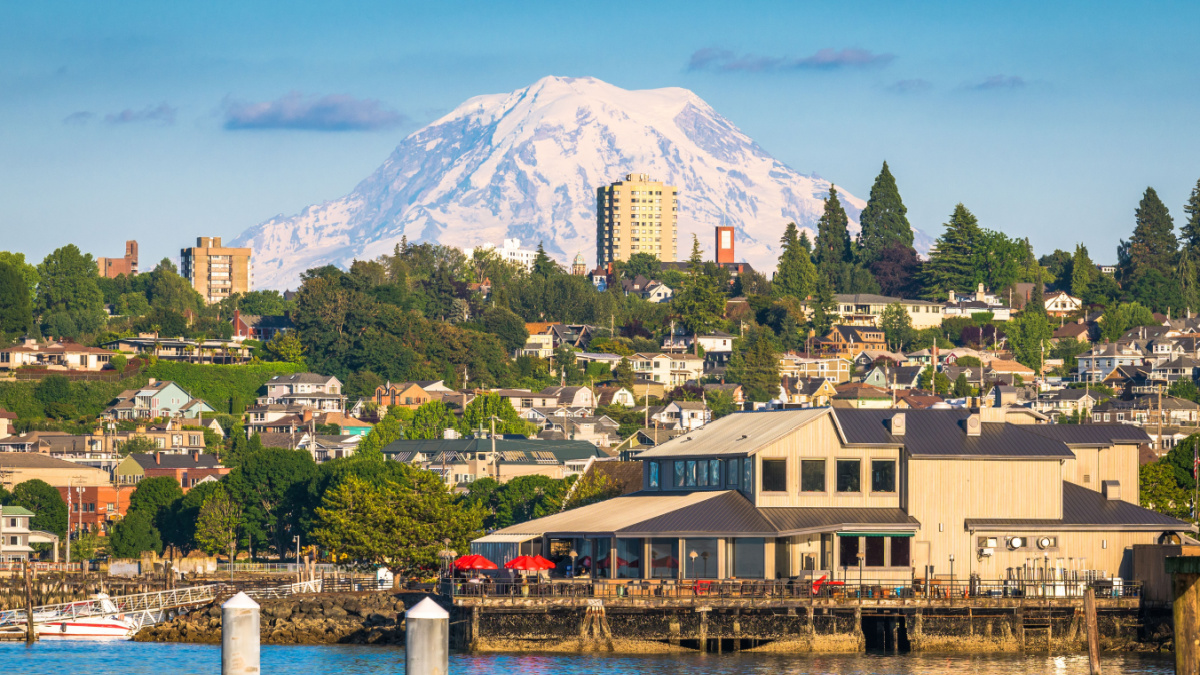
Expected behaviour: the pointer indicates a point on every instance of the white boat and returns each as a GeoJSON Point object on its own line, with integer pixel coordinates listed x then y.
{"type": "Point", "coordinates": [95, 619]}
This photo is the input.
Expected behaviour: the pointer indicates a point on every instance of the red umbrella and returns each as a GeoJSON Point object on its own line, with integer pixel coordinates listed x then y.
{"type": "Point", "coordinates": [474, 562]}
{"type": "Point", "coordinates": [529, 563]}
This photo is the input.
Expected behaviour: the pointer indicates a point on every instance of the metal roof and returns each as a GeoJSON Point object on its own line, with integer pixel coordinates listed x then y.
{"type": "Point", "coordinates": [798, 520]}
{"type": "Point", "coordinates": [726, 512]}
{"type": "Point", "coordinates": [1090, 434]}
{"type": "Point", "coordinates": [1085, 509]}
{"type": "Point", "coordinates": [942, 433]}
{"type": "Point", "coordinates": [612, 515]}
{"type": "Point", "coordinates": [741, 433]}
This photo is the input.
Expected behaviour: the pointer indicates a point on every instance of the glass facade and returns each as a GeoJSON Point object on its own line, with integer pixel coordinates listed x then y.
{"type": "Point", "coordinates": [664, 558]}
{"type": "Point", "coordinates": [702, 565]}
{"type": "Point", "coordinates": [603, 556]}
{"type": "Point", "coordinates": [714, 473]}
{"type": "Point", "coordinates": [629, 558]}
{"type": "Point", "coordinates": [735, 473]}
{"type": "Point", "coordinates": [748, 474]}
{"type": "Point", "coordinates": [747, 558]}
{"type": "Point", "coordinates": [653, 475]}
{"type": "Point", "coordinates": [679, 474]}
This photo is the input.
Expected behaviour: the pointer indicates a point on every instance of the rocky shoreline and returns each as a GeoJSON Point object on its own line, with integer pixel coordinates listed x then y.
{"type": "Point", "coordinates": [329, 618]}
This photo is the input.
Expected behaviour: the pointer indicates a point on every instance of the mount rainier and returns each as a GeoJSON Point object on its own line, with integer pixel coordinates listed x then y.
{"type": "Point", "coordinates": [527, 164]}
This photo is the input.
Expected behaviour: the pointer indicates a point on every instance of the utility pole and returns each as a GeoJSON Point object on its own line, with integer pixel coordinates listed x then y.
{"type": "Point", "coordinates": [1160, 420]}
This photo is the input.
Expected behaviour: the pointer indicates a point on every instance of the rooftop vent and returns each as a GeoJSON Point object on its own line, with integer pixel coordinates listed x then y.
{"type": "Point", "coordinates": [1111, 489]}
{"type": "Point", "coordinates": [896, 424]}
{"type": "Point", "coordinates": [974, 426]}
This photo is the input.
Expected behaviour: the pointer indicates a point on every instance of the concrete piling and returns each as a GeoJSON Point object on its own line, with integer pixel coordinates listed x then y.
{"type": "Point", "coordinates": [427, 639]}
{"type": "Point", "coordinates": [239, 636]}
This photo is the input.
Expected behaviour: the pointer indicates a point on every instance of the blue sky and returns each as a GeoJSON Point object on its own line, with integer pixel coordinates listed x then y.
{"type": "Point", "coordinates": [165, 121]}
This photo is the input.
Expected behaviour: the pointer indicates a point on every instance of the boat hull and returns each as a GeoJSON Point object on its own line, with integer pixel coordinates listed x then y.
{"type": "Point", "coordinates": [92, 628]}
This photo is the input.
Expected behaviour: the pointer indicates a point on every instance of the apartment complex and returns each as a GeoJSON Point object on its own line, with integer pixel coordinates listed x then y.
{"type": "Point", "coordinates": [636, 215]}
{"type": "Point", "coordinates": [216, 272]}
{"type": "Point", "coordinates": [112, 268]}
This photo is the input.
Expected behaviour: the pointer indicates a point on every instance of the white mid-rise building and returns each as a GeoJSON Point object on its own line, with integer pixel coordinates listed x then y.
{"type": "Point", "coordinates": [510, 251]}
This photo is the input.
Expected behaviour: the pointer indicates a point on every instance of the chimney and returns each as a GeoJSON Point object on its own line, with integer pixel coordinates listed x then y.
{"type": "Point", "coordinates": [196, 457]}
{"type": "Point", "coordinates": [153, 381]}
{"type": "Point", "coordinates": [307, 415]}
{"type": "Point", "coordinates": [158, 458]}
{"type": "Point", "coordinates": [1111, 489]}
{"type": "Point", "coordinates": [973, 425]}
{"type": "Point", "coordinates": [896, 424]}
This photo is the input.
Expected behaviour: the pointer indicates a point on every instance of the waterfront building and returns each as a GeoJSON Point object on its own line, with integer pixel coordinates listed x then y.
{"type": "Point", "coordinates": [889, 495]}
{"type": "Point", "coordinates": [14, 534]}
{"type": "Point", "coordinates": [636, 215]}
{"type": "Point", "coordinates": [215, 271]}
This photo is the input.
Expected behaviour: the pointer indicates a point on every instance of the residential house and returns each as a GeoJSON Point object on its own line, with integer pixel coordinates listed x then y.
{"type": "Point", "coordinates": [915, 399]}
{"type": "Point", "coordinates": [181, 349]}
{"type": "Point", "coordinates": [540, 345]}
{"type": "Point", "coordinates": [322, 447]}
{"type": "Point", "coordinates": [859, 395]}
{"type": "Point", "coordinates": [157, 399]}
{"type": "Point", "coordinates": [260, 327]}
{"type": "Point", "coordinates": [686, 415]}
{"type": "Point", "coordinates": [575, 397]}
{"type": "Point", "coordinates": [305, 390]}
{"type": "Point", "coordinates": [734, 390]}
{"type": "Point", "coordinates": [898, 377]}
{"type": "Point", "coordinates": [980, 302]}
{"type": "Point", "coordinates": [523, 399]}
{"type": "Point", "coordinates": [405, 394]}
{"type": "Point", "coordinates": [1061, 303]}
{"type": "Point", "coordinates": [828, 492]}
{"type": "Point", "coordinates": [1006, 367]}
{"type": "Point", "coordinates": [6, 421]}
{"type": "Point", "coordinates": [1065, 402]}
{"type": "Point", "coordinates": [94, 507]}
{"type": "Point", "coordinates": [807, 392]}
{"type": "Point", "coordinates": [647, 289]}
{"type": "Point", "coordinates": [865, 309]}
{"type": "Point", "coordinates": [14, 534]}
{"type": "Point", "coordinates": [599, 431]}
{"type": "Point", "coordinates": [1144, 410]}
{"type": "Point", "coordinates": [463, 461]}
{"type": "Point", "coordinates": [18, 467]}
{"type": "Point", "coordinates": [671, 370]}
{"type": "Point", "coordinates": [1078, 331]}
{"type": "Point", "coordinates": [54, 355]}
{"type": "Point", "coordinates": [848, 341]}
{"type": "Point", "coordinates": [1097, 363]}
{"type": "Point", "coordinates": [188, 469]}
{"type": "Point", "coordinates": [834, 368]}
{"type": "Point", "coordinates": [349, 426]}
{"type": "Point", "coordinates": [583, 359]}
{"type": "Point", "coordinates": [1179, 368]}
{"type": "Point", "coordinates": [606, 396]}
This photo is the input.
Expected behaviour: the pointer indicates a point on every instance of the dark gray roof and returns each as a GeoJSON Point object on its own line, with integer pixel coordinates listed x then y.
{"type": "Point", "coordinates": [729, 512]}
{"type": "Point", "coordinates": [800, 519]}
{"type": "Point", "coordinates": [941, 433]}
{"type": "Point", "coordinates": [1090, 434]}
{"type": "Point", "coordinates": [1084, 508]}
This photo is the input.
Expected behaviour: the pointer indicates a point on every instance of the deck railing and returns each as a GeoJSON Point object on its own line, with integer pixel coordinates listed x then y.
{"type": "Point", "coordinates": [838, 590]}
{"type": "Point", "coordinates": [10, 566]}
{"type": "Point", "coordinates": [274, 568]}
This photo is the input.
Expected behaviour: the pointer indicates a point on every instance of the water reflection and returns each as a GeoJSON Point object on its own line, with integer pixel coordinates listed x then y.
{"type": "Point", "coordinates": [126, 658]}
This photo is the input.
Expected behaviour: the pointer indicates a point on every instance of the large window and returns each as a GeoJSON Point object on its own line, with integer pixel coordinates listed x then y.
{"type": "Point", "coordinates": [691, 473]}
{"type": "Point", "coordinates": [874, 551]}
{"type": "Point", "coordinates": [735, 472]}
{"type": "Point", "coordinates": [702, 473]}
{"type": "Point", "coordinates": [702, 565]}
{"type": "Point", "coordinates": [774, 475]}
{"type": "Point", "coordinates": [812, 475]}
{"type": "Point", "coordinates": [748, 474]}
{"type": "Point", "coordinates": [664, 558]}
{"type": "Point", "coordinates": [679, 472]}
{"type": "Point", "coordinates": [847, 551]}
{"type": "Point", "coordinates": [746, 556]}
{"type": "Point", "coordinates": [849, 475]}
{"type": "Point", "coordinates": [629, 558]}
{"type": "Point", "coordinates": [603, 558]}
{"type": "Point", "coordinates": [883, 475]}
{"type": "Point", "coordinates": [900, 551]}
{"type": "Point", "coordinates": [714, 473]}
{"type": "Point", "coordinates": [653, 475]}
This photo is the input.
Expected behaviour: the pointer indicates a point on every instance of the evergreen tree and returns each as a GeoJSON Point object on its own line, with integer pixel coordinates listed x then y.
{"type": "Point", "coordinates": [1189, 234]}
{"type": "Point", "coordinates": [1153, 245]}
{"type": "Point", "coordinates": [1186, 275]}
{"type": "Point", "coordinates": [823, 306]}
{"type": "Point", "coordinates": [16, 315]}
{"type": "Point", "coordinates": [952, 263]}
{"type": "Point", "coordinates": [699, 304]}
{"type": "Point", "coordinates": [833, 233]}
{"type": "Point", "coordinates": [543, 266]}
{"type": "Point", "coordinates": [756, 367]}
{"type": "Point", "coordinates": [795, 274]}
{"type": "Point", "coordinates": [806, 243]}
{"type": "Point", "coordinates": [884, 220]}
{"type": "Point", "coordinates": [1082, 271]}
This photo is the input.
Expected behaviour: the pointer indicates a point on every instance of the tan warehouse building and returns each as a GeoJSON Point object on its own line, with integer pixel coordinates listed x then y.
{"type": "Point", "coordinates": [636, 215]}
{"type": "Point", "coordinates": [216, 272]}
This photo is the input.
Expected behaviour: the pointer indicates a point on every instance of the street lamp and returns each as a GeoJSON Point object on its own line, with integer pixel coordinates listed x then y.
{"type": "Point", "coordinates": [952, 577]}
{"type": "Point", "coordinates": [861, 556]}
{"type": "Point", "coordinates": [704, 557]}
{"type": "Point", "coordinates": [574, 554]}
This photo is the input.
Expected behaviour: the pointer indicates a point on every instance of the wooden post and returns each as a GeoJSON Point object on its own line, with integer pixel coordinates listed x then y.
{"type": "Point", "coordinates": [31, 635]}
{"type": "Point", "coordinates": [1185, 572]}
{"type": "Point", "coordinates": [1093, 630]}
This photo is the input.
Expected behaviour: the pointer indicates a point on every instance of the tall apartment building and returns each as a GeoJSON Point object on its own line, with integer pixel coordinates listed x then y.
{"type": "Point", "coordinates": [216, 272]}
{"type": "Point", "coordinates": [636, 215]}
{"type": "Point", "coordinates": [114, 267]}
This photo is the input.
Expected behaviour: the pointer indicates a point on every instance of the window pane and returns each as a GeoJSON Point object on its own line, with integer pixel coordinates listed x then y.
{"type": "Point", "coordinates": [849, 478]}
{"type": "Point", "coordinates": [748, 474]}
{"type": "Point", "coordinates": [704, 564]}
{"type": "Point", "coordinates": [654, 475]}
{"type": "Point", "coordinates": [679, 474]}
{"type": "Point", "coordinates": [664, 558]}
{"type": "Point", "coordinates": [714, 472]}
{"type": "Point", "coordinates": [691, 473]}
{"type": "Point", "coordinates": [747, 558]}
{"type": "Point", "coordinates": [812, 475]}
{"type": "Point", "coordinates": [734, 473]}
{"type": "Point", "coordinates": [774, 475]}
{"type": "Point", "coordinates": [848, 552]}
{"type": "Point", "coordinates": [883, 475]}
{"type": "Point", "coordinates": [702, 473]}
{"type": "Point", "coordinates": [900, 549]}
{"type": "Point", "coordinates": [629, 558]}
{"type": "Point", "coordinates": [875, 551]}
{"type": "Point", "coordinates": [603, 557]}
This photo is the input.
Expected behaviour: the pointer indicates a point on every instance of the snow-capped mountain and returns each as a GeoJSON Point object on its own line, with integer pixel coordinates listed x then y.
{"type": "Point", "coordinates": [527, 164]}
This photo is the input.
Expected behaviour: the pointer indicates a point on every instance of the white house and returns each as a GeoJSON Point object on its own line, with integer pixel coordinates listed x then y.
{"type": "Point", "coordinates": [1060, 303]}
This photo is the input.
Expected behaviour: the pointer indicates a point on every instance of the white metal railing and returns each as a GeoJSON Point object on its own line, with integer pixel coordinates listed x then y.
{"type": "Point", "coordinates": [126, 604]}
{"type": "Point", "coordinates": [311, 586]}
{"type": "Point", "coordinates": [273, 567]}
